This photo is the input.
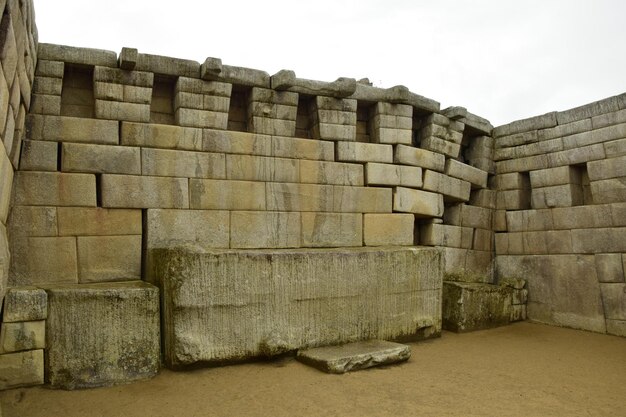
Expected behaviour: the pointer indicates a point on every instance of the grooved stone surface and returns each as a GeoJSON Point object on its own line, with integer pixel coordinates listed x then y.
{"type": "Point", "coordinates": [354, 356]}
{"type": "Point", "coordinates": [221, 306]}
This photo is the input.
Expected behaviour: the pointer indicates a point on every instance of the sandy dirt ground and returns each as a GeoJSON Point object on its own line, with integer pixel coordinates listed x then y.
{"type": "Point", "coordinates": [520, 370]}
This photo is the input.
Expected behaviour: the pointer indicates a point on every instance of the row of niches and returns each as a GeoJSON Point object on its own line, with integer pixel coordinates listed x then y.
{"type": "Point", "coordinates": [87, 91]}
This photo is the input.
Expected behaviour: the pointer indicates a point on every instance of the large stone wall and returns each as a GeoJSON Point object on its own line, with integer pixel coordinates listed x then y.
{"type": "Point", "coordinates": [18, 57]}
{"type": "Point", "coordinates": [561, 181]}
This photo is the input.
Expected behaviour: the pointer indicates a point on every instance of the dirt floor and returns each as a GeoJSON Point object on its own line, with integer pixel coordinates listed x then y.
{"type": "Point", "coordinates": [520, 370]}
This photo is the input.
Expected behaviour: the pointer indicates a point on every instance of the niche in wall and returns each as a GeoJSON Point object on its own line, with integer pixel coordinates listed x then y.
{"type": "Point", "coordinates": [238, 108]}
{"type": "Point", "coordinates": [162, 104]}
{"type": "Point", "coordinates": [77, 99]}
{"type": "Point", "coordinates": [304, 119]}
{"type": "Point", "coordinates": [364, 111]}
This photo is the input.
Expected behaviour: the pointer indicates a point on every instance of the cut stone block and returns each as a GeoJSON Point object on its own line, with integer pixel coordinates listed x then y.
{"type": "Point", "coordinates": [513, 200]}
{"type": "Point", "coordinates": [54, 189]}
{"type": "Point", "coordinates": [21, 369]}
{"type": "Point", "coordinates": [538, 122]}
{"type": "Point", "coordinates": [116, 110]}
{"type": "Point", "coordinates": [260, 168]}
{"type": "Point", "coordinates": [227, 195]}
{"type": "Point", "coordinates": [557, 196]}
{"type": "Point", "coordinates": [599, 240]}
{"type": "Point", "coordinates": [364, 152]}
{"type": "Point", "coordinates": [299, 197]}
{"type": "Point", "coordinates": [420, 203]}
{"type": "Point", "coordinates": [285, 147]}
{"type": "Point", "coordinates": [393, 175]}
{"type": "Point", "coordinates": [232, 142]}
{"type": "Point", "coordinates": [441, 146]}
{"type": "Point", "coordinates": [510, 181]}
{"type": "Point", "coordinates": [39, 155]}
{"type": "Point", "coordinates": [78, 157]}
{"type": "Point", "coordinates": [45, 104]}
{"type": "Point", "coordinates": [362, 199]}
{"type": "Point", "coordinates": [468, 216]}
{"type": "Point", "coordinates": [433, 234]}
{"type": "Point", "coordinates": [388, 229]}
{"type": "Point", "coordinates": [614, 300]}
{"type": "Point", "coordinates": [109, 258]}
{"type": "Point", "coordinates": [161, 136]}
{"type": "Point", "coordinates": [607, 168]}
{"type": "Point", "coordinates": [268, 319]}
{"type": "Point", "coordinates": [25, 304]}
{"type": "Point", "coordinates": [408, 155]}
{"type": "Point", "coordinates": [608, 191]}
{"type": "Point", "coordinates": [329, 230]}
{"type": "Point", "coordinates": [72, 129]}
{"type": "Point", "coordinates": [320, 172]}
{"type": "Point", "coordinates": [334, 132]}
{"type": "Point", "coordinates": [129, 191]}
{"type": "Point", "coordinates": [47, 68]}
{"type": "Point", "coordinates": [354, 356]}
{"type": "Point", "coordinates": [114, 329]}
{"type": "Point", "coordinates": [555, 176]}
{"type": "Point", "coordinates": [26, 335]}
{"type": "Point", "coordinates": [452, 189]}
{"type": "Point", "coordinates": [263, 229]}
{"type": "Point", "coordinates": [476, 177]}
{"type": "Point", "coordinates": [201, 118]}
{"type": "Point", "coordinates": [465, 265]}
{"type": "Point", "coordinates": [167, 66]}
{"type": "Point", "coordinates": [40, 260]}
{"type": "Point", "coordinates": [610, 267]}
{"type": "Point", "coordinates": [392, 136]}
{"type": "Point", "coordinates": [175, 163]}
{"type": "Point", "coordinates": [74, 55]}
{"type": "Point", "coordinates": [83, 221]}
{"type": "Point", "coordinates": [6, 184]}
{"type": "Point", "coordinates": [475, 306]}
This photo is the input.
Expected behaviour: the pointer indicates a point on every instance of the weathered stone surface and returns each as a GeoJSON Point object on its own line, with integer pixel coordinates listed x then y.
{"type": "Point", "coordinates": [335, 132]}
{"type": "Point", "coordinates": [608, 191]}
{"type": "Point", "coordinates": [102, 334]}
{"type": "Point", "coordinates": [476, 177]}
{"type": "Point", "coordinates": [266, 285]}
{"type": "Point", "coordinates": [408, 155]}
{"type": "Point", "coordinates": [25, 304]}
{"type": "Point", "coordinates": [265, 229]}
{"type": "Point", "coordinates": [475, 306]}
{"type": "Point", "coordinates": [614, 300]}
{"type": "Point", "coordinates": [364, 152]}
{"type": "Point", "coordinates": [229, 195]}
{"type": "Point", "coordinates": [127, 59]}
{"type": "Point", "coordinates": [201, 118]}
{"type": "Point", "coordinates": [610, 267]}
{"type": "Point", "coordinates": [161, 136]}
{"type": "Point", "coordinates": [599, 240]}
{"type": "Point", "coordinates": [109, 258]}
{"type": "Point", "coordinates": [434, 234]}
{"type": "Point", "coordinates": [513, 200]}
{"type": "Point", "coordinates": [328, 230]}
{"type": "Point", "coordinates": [452, 189]}
{"type": "Point", "coordinates": [237, 142]}
{"type": "Point", "coordinates": [6, 184]}
{"type": "Point", "coordinates": [557, 196]}
{"type": "Point", "coordinates": [354, 356]}
{"type": "Point", "coordinates": [361, 199]}
{"type": "Point", "coordinates": [582, 217]}
{"type": "Point", "coordinates": [333, 173]}
{"type": "Point", "coordinates": [260, 168]}
{"type": "Point", "coordinates": [286, 80]}
{"type": "Point", "coordinates": [213, 69]}
{"type": "Point", "coordinates": [388, 229]}
{"type": "Point", "coordinates": [538, 122]}
{"type": "Point", "coordinates": [420, 203]}
{"type": "Point", "coordinates": [83, 221]}
{"type": "Point", "coordinates": [468, 216]}
{"type": "Point", "coordinates": [47, 68]}
{"type": "Point", "coordinates": [71, 129]}
{"type": "Point", "coordinates": [45, 104]}
{"type": "Point", "coordinates": [26, 335]}
{"type": "Point", "coordinates": [74, 55]}
{"type": "Point", "coordinates": [398, 94]}
{"type": "Point", "coordinates": [129, 191]}
{"type": "Point", "coordinates": [79, 157]}
{"type": "Point", "coordinates": [21, 369]}
{"type": "Point", "coordinates": [441, 146]}
{"type": "Point", "coordinates": [54, 189]}
{"type": "Point", "coordinates": [393, 175]}
{"type": "Point", "coordinates": [117, 110]}
{"type": "Point", "coordinates": [607, 168]}
{"type": "Point", "coordinates": [175, 163]}
{"type": "Point", "coordinates": [296, 197]}
{"type": "Point", "coordinates": [40, 260]}
{"type": "Point", "coordinates": [588, 110]}
{"type": "Point", "coordinates": [563, 290]}
{"type": "Point", "coordinates": [285, 147]}
{"type": "Point", "coordinates": [466, 265]}
{"type": "Point", "coordinates": [555, 176]}
{"type": "Point", "coordinates": [39, 155]}
{"type": "Point", "coordinates": [167, 66]}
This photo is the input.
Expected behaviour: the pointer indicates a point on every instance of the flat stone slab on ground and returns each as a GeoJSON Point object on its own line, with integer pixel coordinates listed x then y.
{"type": "Point", "coordinates": [354, 356]}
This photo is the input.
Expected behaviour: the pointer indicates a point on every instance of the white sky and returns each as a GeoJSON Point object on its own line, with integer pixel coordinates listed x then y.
{"type": "Point", "coordinates": [501, 59]}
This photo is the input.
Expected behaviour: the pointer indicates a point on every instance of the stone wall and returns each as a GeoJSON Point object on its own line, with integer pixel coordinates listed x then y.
{"type": "Point", "coordinates": [18, 57]}
{"type": "Point", "coordinates": [561, 205]}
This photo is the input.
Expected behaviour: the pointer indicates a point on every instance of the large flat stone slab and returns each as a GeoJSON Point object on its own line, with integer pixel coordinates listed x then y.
{"type": "Point", "coordinates": [354, 356]}
{"type": "Point", "coordinates": [227, 305]}
{"type": "Point", "coordinates": [102, 334]}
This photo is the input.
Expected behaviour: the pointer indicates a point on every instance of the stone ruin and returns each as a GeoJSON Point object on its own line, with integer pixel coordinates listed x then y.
{"type": "Point", "coordinates": [158, 210]}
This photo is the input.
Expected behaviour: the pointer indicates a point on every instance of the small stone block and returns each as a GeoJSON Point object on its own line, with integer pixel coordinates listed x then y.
{"type": "Point", "coordinates": [354, 356]}
{"type": "Point", "coordinates": [21, 369]}
{"type": "Point", "coordinates": [25, 335]}
{"type": "Point", "coordinates": [25, 304]}
{"type": "Point", "coordinates": [128, 58]}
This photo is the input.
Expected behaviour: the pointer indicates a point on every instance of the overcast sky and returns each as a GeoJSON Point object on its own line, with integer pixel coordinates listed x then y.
{"type": "Point", "coordinates": [503, 60]}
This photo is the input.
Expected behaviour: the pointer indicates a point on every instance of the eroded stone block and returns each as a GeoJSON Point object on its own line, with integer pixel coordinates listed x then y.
{"type": "Point", "coordinates": [25, 335]}
{"type": "Point", "coordinates": [21, 369]}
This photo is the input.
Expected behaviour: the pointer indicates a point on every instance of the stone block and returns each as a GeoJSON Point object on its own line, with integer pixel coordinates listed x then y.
{"type": "Point", "coordinates": [39, 155]}
{"type": "Point", "coordinates": [167, 66]}
{"type": "Point", "coordinates": [364, 152]}
{"type": "Point", "coordinates": [176, 163]}
{"type": "Point", "coordinates": [115, 334]}
{"type": "Point", "coordinates": [476, 177]}
{"type": "Point", "coordinates": [25, 304]}
{"type": "Point", "coordinates": [74, 55]}
{"type": "Point", "coordinates": [286, 147]}
{"type": "Point", "coordinates": [109, 258]}
{"type": "Point", "coordinates": [332, 103]}
{"type": "Point", "coordinates": [609, 267]}
{"type": "Point", "coordinates": [534, 123]}
{"type": "Point", "coordinates": [269, 126]}
{"type": "Point", "coordinates": [45, 104]}
{"type": "Point", "coordinates": [201, 118]}
{"type": "Point", "coordinates": [130, 191]}
{"type": "Point", "coordinates": [40, 260]}
{"type": "Point", "coordinates": [420, 203]}
{"type": "Point", "coordinates": [82, 221]}
{"type": "Point", "coordinates": [54, 189]}
{"type": "Point", "coordinates": [475, 306]}
{"type": "Point", "coordinates": [21, 369]}
{"type": "Point", "coordinates": [388, 229]}
{"type": "Point", "coordinates": [616, 327]}
{"type": "Point", "coordinates": [563, 290]}
{"type": "Point", "coordinates": [130, 112]}
{"type": "Point", "coordinates": [609, 191]}
{"type": "Point", "coordinates": [575, 156]}
{"type": "Point", "coordinates": [511, 181]}
{"type": "Point", "coordinates": [608, 119]}
{"type": "Point", "coordinates": [201, 102]}
{"type": "Point", "coordinates": [328, 230]}
{"type": "Point", "coordinates": [212, 69]}
{"type": "Point", "coordinates": [468, 216]}
{"type": "Point", "coordinates": [392, 136]}
{"type": "Point", "coordinates": [441, 146]}
{"type": "Point", "coordinates": [260, 168]}
{"type": "Point", "coordinates": [614, 300]}
{"type": "Point", "coordinates": [582, 217]}
{"type": "Point", "coordinates": [442, 132]}
{"type": "Point", "coordinates": [325, 131]}
{"type": "Point", "coordinates": [237, 142]}
{"type": "Point", "coordinates": [525, 164]}
{"type": "Point", "coordinates": [599, 240]}
{"type": "Point", "coordinates": [483, 240]}
{"type": "Point", "coordinates": [71, 129]}
{"type": "Point", "coordinates": [464, 265]}
{"type": "Point", "coordinates": [587, 111]}
{"type": "Point", "coordinates": [529, 220]}
{"type": "Point", "coordinates": [266, 95]}
{"type": "Point", "coordinates": [513, 200]}
{"type": "Point", "coordinates": [408, 155]}
{"type": "Point", "coordinates": [393, 175]}
{"type": "Point", "coordinates": [26, 335]}
{"type": "Point", "coordinates": [198, 86]}
{"type": "Point", "coordinates": [78, 157]}
{"type": "Point", "coordinates": [335, 117]}
{"type": "Point", "coordinates": [266, 285]}
{"type": "Point", "coordinates": [557, 196]}
{"type": "Point", "coordinates": [127, 59]}
{"type": "Point", "coordinates": [33, 221]}
{"type": "Point", "coordinates": [499, 223]}
{"type": "Point", "coordinates": [452, 189]}
{"type": "Point", "coordinates": [161, 136]}
{"type": "Point", "coordinates": [6, 184]}
{"type": "Point", "coordinates": [362, 200]}
{"type": "Point", "coordinates": [555, 176]}
{"type": "Point", "coordinates": [615, 148]}
{"type": "Point", "coordinates": [227, 195]}
{"type": "Point", "coordinates": [263, 229]}
{"type": "Point", "coordinates": [47, 68]}
{"type": "Point", "coordinates": [354, 356]}
{"type": "Point", "coordinates": [618, 213]}
{"type": "Point", "coordinates": [298, 197]}
{"type": "Point", "coordinates": [607, 168]}
{"type": "Point", "coordinates": [434, 234]}
{"type": "Point", "coordinates": [125, 77]}
{"type": "Point", "coordinates": [333, 173]}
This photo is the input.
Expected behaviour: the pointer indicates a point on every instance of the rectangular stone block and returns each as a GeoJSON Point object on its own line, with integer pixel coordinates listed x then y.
{"type": "Point", "coordinates": [599, 240]}
{"type": "Point", "coordinates": [227, 195]}
{"type": "Point", "coordinates": [608, 191]}
{"type": "Point", "coordinates": [116, 110]}
{"type": "Point", "coordinates": [441, 146]}
{"type": "Point", "coordinates": [48, 68]}
{"type": "Point", "coordinates": [80, 221]}
{"type": "Point", "coordinates": [167, 65]}
{"type": "Point", "coordinates": [392, 136]}
{"type": "Point", "coordinates": [615, 148]}
{"type": "Point", "coordinates": [125, 77]}
{"type": "Point", "coordinates": [420, 203]}
{"type": "Point", "coordinates": [21, 369]}
{"type": "Point", "coordinates": [475, 306]}
{"type": "Point", "coordinates": [483, 240]}
{"type": "Point", "coordinates": [362, 200]}
{"type": "Point", "coordinates": [237, 142]}
{"type": "Point", "coordinates": [616, 327]}
{"type": "Point", "coordinates": [195, 85]}
{"type": "Point", "coordinates": [483, 198]}
{"type": "Point", "coordinates": [161, 136]}
{"type": "Point", "coordinates": [576, 156]}
{"type": "Point", "coordinates": [610, 267]}
{"type": "Point", "coordinates": [529, 163]}
{"type": "Point", "coordinates": [607, 168]}
{"type": "Point", "coordinates": [54, 189]}
{"type": "Point", "coordinates": [555, 176]}
{"type": "Point", "coordinates": [325, 131]}
{"type": "Point", "coordinates": [321, 280]}
{"type": "Point", "coordinates": [25, 304]}
{"type": "Point", "coordinates": [442, 132]}
{"type": "Point", "coordinates": [74, 55]}
{"type": "Point", "coordinates": [109, 258]}
{"type": "Point", "coordinates": [257, 229]}
{"type": "Point", "coordinates": [499, 223]}
{"type": "Point", "coordinates": [45, 104]}
{"type": "Point", "coordinates": [364, 152]}
{"type": "Point", "coordinates": [6, 184]}
{"type": "Point", "coordinates": [529, 220]}
{"type": "Point", "coordinates": [269, 126]}
{"type": "Point", "coordinates": [452, 189]}
{"type": "Point", "coordinates": [538, 122]}
{"type": "Point", "coordinates": [332, 103]}
{"type": "Point", "coordinates": [513, 200]}
{"type": "Point", "coordinates": [433, 234]}
{"type": "Point", "coordinates": [328, 230]}
{"type": "Point", "coordinates": [388, 229]}
{"type": "Point", "coordinates": [285, 147]}
{"type": "Point", "coordinates": [587, 111]}
{"type": "Point", "coordinates": [582, 217]}
{"type": "Point", "coordinates": [336, 117]}
{"type": "Point", "coordinates": [299, 197]}
{"type": "Point", "coordinates": [393, 175]}
{"type": "Point", "coordinates": [71, 129]}
{"type": "Point", "coordinates": [557, 196]}
{"type": "Point", "coordinates": [201, 118]}
{"type": "Point", "coordinates": [408, 155]}
{"type": "Point", "coordinates": [129, 191]}
{"type": "Point", "coordinates": [175, 163]}
{"type": "Point", "coordinates": [39, 260]}
{"type": "Point", "coordinates": [116, 334]}
{"type": "Point", "coordinates": [259, 168]}
{"type": "Point", "coordinates": [468, 216]}
{"type": "Point", "coordinates": [614, 300]}
{"type": "Point", "coordinates": [27, 335]}
{"type": "Point", "coordinates": [511, 181]}
{"type": "Point", "coordinates": [39, 155]}
{"type": "Point", "coordinates": [201, 102]}
{"type": "Point", "coordinates": [476, 177]}
{"type": "Point", "coordinates": [78, 157]}
{"type": "Point", "coordinates": [332, 173]}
